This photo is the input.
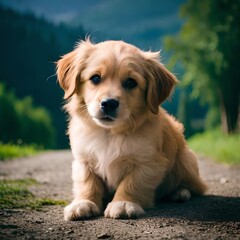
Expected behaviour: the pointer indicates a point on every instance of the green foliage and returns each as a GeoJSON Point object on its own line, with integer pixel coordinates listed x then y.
{"type": "Point", "coordinates": [29, 47]}
{"type": "Point", "coordinates": [9, 151]}
{"type": "Point", "coordinates": [14, 194]}
{"type": "Point", "coordinates": [39, 203]}
{"type": "Point", "coordinates": [206, 49]}
{"type": "Point", "coordinates": [219, 146]}
{"type": "Point", "coordinates": [21, 122]}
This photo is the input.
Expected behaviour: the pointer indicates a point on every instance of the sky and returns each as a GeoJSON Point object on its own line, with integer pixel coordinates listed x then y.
{"type": "Point", "coordinates": [54, 10]}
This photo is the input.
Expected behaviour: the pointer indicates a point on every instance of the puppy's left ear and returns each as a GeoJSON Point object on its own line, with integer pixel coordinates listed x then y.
{"type": "Point", "coordinates": [161, 82]}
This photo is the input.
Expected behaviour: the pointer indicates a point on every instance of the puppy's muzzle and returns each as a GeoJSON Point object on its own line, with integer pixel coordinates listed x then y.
{"type": "Point", "coordinates": [109, 107]}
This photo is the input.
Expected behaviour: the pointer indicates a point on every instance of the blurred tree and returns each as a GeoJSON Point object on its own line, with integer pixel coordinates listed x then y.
{"type": "Point", "coordinates": [21, 122]}
{"type": "Point", "coordinates": [9, 120]}
{"type": "Point", "coordinates": [207, 47]}
{"type": "Point", "coordinates": [183, 111]}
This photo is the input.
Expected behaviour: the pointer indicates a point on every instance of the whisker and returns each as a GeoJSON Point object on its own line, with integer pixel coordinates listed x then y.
{"type": "Point", "coordinates": [51, 76]}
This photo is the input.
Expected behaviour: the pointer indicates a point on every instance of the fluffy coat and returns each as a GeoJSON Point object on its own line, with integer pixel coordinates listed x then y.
{"type": "Point", "coordinates": [121, 140]}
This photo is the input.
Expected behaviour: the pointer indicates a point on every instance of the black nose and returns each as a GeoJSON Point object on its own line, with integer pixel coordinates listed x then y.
{"type": "Point", "coordinates": [109, 106]}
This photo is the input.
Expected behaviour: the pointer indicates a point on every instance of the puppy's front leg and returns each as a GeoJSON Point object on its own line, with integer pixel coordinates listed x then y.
{"type": "Point", "coordinates": [135, 192]}
{"type": "Point", "coordinates": [88, 190]}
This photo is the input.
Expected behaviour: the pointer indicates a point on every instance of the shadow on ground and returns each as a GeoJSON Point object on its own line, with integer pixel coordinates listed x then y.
{"type": "Point", "coordinates": [208, 208]}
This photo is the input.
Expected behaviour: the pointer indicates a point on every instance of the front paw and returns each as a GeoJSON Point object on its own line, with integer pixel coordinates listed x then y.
{"type": "Point", "coordinates": [123, 209]}
{"type": "Point", "coordinates": [80, 209]}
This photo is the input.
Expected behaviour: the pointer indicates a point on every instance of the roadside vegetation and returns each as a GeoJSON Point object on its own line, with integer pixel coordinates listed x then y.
{"type": "Point", "coordinates": [217, 145]}
{"type": "Point", "coordinates": [203, 53]}
{"type": "Point", "coordinates": [10, 151]}
{"type": "Point", "coordinates": [15, 194]}
{"type": "Point", "coordinates": [25, 129]}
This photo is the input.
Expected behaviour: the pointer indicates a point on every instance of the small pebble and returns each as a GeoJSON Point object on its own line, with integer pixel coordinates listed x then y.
{"type": "Point", "coordinates": [223, 180]}
{"type": "Point", "coordinates": [39, 221]}
{"type": "Point", "coordinates": [103, 236]}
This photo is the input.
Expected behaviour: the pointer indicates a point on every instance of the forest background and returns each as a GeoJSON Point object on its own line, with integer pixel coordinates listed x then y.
{"type": "Point", "coordinates": [199, 42]}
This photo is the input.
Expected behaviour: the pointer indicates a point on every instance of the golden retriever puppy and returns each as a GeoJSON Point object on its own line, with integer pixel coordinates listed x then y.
{"type": "Point", "coordinates": [121, 140]}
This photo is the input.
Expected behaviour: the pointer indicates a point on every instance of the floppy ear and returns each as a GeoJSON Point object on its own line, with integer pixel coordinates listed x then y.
{"type": "Point", "coordinates": [67, 74]}
{"type": "Point", "coordinates": [160, 82]}
{"type": "Point", "coordinates": [69, 68]}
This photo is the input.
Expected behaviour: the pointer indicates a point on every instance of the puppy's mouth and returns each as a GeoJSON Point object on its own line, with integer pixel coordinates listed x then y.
{"type": "Point", "coordinates": [106, 119]}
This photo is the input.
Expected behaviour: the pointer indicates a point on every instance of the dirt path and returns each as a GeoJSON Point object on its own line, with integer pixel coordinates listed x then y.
{"type": "Point", "coordinates": [214, 216]}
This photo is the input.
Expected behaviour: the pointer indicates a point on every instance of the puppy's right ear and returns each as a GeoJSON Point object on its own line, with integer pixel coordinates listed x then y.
{"type": "Point", "coordinates": [69, 67]}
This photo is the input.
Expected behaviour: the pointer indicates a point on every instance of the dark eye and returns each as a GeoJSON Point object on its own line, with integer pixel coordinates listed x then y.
{"type": "Point", "coordinates": [129, 84]}
{"type": "Point", "coordinates": [95, 79]}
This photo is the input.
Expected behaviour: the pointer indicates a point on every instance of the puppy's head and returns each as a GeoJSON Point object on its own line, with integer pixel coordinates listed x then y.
{"type": "Point", "coordinates": [114, 83]}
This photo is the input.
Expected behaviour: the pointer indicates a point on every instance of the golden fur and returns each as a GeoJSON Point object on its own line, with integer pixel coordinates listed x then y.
{"type": "Point", "coordinates": [139, 152]}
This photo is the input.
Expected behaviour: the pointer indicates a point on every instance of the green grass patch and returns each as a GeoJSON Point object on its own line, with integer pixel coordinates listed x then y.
{"type": "Point", "coordinates": [10, 151]}
{"type": "Point", "coordinates": [39, 203]}
{"type": "Point", "coordinates": [15, 194]}
{"type": "Point", "coordinates": [215, 144]}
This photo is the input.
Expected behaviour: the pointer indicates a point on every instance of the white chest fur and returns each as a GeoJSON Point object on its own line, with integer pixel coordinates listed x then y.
{"type": "Point", "coordinates": [109, 155]}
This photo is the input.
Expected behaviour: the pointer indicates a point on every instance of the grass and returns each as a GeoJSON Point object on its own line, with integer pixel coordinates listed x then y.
{"type": "Point", "coordinates": [15, 194]}
{"type": "Point", "coordinates": [215, 144]}
{"type": "Point", "coordinates": [9, 151]}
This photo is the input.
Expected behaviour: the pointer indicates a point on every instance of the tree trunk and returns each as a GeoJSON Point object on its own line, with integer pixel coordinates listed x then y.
{"type": "Point", "coordinates": [230, 112]}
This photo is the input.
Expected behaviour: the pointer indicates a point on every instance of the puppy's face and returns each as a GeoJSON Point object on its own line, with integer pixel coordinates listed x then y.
{"type": "Point", "coordinates": [115, 83]}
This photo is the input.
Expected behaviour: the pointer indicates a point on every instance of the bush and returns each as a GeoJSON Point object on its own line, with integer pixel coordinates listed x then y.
{"type": "Point", "coordinates": [216, 145]}
{"type": "Point", "coordinates": [10, 151]}
{"type": "Point", "coordinates": [21, 122]}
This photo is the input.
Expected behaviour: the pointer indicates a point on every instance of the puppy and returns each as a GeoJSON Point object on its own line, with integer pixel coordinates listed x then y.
{"type": "Point", "coordinates": [121, 140]}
